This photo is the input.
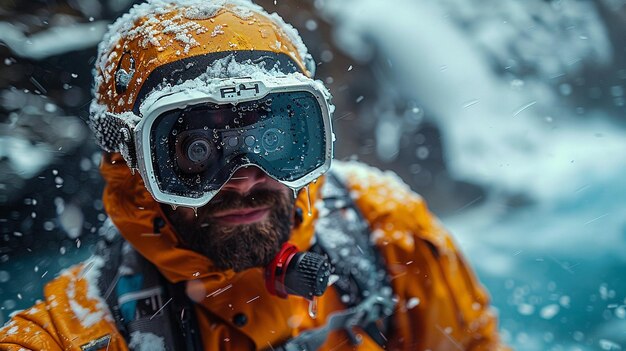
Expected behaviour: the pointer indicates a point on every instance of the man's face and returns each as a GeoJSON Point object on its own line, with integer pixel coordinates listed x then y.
{"type": "Point", "coordinates": [243, 226]}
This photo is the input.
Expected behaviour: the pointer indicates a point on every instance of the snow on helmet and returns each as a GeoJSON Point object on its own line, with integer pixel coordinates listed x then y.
{"type": "Point", "coordinates": [170, 41]}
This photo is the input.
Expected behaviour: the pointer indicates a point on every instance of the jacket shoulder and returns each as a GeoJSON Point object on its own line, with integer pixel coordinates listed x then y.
{"type": "Point", "coordinates": [423, 263]}
{"type": "Point", "coordinates": [393, 211]}
{"type": "Point", "coordinates": [71, 316]}
{"type": "Point", "coordinates": [30, 329]}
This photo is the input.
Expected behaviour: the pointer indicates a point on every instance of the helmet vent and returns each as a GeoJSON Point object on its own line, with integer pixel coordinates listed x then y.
{"type": "Point", "coordinates": [123, 76]}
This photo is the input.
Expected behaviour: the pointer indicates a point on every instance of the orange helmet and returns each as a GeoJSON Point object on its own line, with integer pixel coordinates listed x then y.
{"type": "Point", "coordinates": [169, 41]}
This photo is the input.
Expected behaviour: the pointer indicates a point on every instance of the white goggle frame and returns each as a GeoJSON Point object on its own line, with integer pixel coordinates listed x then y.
{"type": "Point", "coordinates": [224, 91]}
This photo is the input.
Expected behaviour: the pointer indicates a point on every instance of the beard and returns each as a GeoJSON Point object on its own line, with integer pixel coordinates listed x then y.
{"type": "Point", "coordinates": [238, 247]}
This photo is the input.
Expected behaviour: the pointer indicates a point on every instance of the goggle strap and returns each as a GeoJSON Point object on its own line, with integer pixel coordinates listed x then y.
{"type": "Point", "coordinates": [117, 134]}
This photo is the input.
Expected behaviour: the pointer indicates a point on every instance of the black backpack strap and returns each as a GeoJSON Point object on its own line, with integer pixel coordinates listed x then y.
{"type": "Point", "coordinates": [110, 249]}
{"type": "Point", "coordinates": [343, 235]}
{"type": "Point", "coordinates": [360, 267]}
{"type": "Point", "coordinates": [140, 298]}
{"type": "Point", "coordinates": [365, 313]}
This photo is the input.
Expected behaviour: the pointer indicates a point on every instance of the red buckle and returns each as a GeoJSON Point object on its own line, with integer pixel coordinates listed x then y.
{"type": "Point", "coordinates": [276, 271]}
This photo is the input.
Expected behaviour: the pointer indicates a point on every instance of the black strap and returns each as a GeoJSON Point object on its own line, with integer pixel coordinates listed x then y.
{"type": "Point", "coordinates": [343, 235]}
{"type": "Point", "coordinates": [110, 249]}
{"type": "Point", "coordinates": [184, 314]}
{"type": "Point", "coordinates": [363, 314]}
{"type": "Point", "coordinates": [191, 67]}
{"type": "Point", "coordinates": [358, 264]}
{"type": "Point", "coordinates": [162, 309]}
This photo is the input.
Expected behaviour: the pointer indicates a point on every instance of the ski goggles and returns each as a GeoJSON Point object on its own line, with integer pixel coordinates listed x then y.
{"type": "Point", "coordinates": [188, 144]}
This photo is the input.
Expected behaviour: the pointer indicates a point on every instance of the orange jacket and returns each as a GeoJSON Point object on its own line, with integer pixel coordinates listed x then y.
{"type": "Point", "coordinates": [441, 306]}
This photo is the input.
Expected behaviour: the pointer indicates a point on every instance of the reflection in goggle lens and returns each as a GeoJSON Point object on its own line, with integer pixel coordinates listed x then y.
{"type": "Point", "coordinates": [200, 147]}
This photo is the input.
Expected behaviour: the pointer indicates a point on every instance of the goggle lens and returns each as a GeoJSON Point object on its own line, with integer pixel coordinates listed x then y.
{"type": "Point", "coordinates": [197, 149]}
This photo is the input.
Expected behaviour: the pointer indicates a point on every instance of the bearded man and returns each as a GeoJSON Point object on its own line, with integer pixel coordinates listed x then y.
{"type": "Point", "coordinates": [229, 229]}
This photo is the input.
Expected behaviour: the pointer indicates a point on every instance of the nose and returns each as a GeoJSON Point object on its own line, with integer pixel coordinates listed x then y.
{"type": "Point", "coordinates": [245, 179]}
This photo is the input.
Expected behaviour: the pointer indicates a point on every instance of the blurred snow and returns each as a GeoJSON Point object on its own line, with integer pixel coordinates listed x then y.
{"type": "Point", "coordinates": [543, 38]}
{"type": "Point", "coordinates": [71, 219]}
{"type": "Point", "coordinates": [507, 134]}
{"type": "Point", "coordinates": [24, 157]}
{"type": "Point", "coordinates": [550, 237]}
{"type": "Point", "coordinates": [54, 41]}
{"type": "Point", "coordinates": [34, 135]}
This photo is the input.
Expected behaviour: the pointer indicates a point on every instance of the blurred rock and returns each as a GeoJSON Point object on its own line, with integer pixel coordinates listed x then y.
{"type": "Point", "coordinates": [35, 135]}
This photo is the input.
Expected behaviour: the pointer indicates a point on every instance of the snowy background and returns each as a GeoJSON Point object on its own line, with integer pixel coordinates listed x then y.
{"type": "Point", "coordinates": [507, 115]}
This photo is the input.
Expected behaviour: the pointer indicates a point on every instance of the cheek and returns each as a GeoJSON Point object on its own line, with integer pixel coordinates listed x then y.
{"type": "Point", "coordinates": [283, 189]}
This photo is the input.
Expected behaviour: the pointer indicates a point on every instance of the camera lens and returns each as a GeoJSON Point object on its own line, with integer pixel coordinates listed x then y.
{"type": "Point", "coordinates": [198, 150]}
{"type": "Point", "coordinates": [271, 139]}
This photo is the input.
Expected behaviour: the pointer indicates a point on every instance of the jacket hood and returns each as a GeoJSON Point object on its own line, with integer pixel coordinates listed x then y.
{"type": "Point", "coordinates": [135, 213]}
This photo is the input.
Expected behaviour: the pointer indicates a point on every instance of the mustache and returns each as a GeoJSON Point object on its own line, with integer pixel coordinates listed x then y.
{"type": "Point", "coordinates": [230, 200]}
{"type": "Point", "coordinates": [243, 246]}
